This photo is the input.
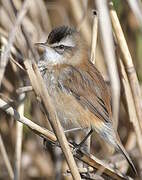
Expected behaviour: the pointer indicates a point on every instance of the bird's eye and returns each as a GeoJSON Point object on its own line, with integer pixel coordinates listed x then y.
{"type": "Point", "coordinates": [60, 49]}
{"type": "Point", "coordinates": [61, 46]}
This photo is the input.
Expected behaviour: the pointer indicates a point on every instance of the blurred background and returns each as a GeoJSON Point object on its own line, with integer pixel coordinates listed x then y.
{"type": "Point", "coordinates": [43, 15]}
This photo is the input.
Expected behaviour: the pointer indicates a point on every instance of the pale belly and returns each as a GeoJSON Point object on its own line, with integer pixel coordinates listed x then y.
{"type": "Point", "coordinates": [70, 112]}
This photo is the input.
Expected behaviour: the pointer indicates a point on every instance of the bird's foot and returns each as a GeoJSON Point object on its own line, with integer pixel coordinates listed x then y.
{"type": "Point", "coordinates": [76, 148]}
{"type": "Point", "coordinates": [47, 143]}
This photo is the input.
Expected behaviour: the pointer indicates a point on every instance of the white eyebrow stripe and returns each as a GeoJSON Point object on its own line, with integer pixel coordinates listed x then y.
{"type": "Point", "coordinates": [66, 42]}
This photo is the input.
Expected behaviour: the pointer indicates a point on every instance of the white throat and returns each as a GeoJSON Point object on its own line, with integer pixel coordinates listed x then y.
{"type": "Point", "coordinates": [52, 57]}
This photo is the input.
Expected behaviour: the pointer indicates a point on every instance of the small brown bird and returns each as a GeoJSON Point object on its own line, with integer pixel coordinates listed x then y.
{"type": "Point", "coordinates": [78, 91]}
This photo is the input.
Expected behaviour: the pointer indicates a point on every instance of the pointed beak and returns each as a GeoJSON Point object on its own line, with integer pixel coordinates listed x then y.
{"type": "Point", "coordinates": [40, 45]}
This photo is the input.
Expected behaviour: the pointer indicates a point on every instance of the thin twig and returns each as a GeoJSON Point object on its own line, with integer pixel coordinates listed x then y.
{"type": "Point", "coordinates": [129, 66]}
{"type": "Point", "coordinates": [24, 89]}
{"type": "Point", "coordinates": [108, 47]}
{"type": "Point", "coordinates": [19, 137]}
{"type": "Point", "coordinates": [6, 159]}
{"type": "Point", "coordinates": [17, 64]}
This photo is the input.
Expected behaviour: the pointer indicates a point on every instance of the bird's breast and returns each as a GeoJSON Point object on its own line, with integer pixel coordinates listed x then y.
{"type": "Point", "coordinates": [69, 111]}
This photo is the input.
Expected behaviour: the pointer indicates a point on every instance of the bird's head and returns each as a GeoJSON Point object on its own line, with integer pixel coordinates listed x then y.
{"type": "Point", "coordinates": [63, 46]}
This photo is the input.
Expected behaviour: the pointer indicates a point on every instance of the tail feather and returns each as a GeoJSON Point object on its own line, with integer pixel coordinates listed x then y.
{"type": "Point", "coordinates": [126, 155]}
{"type": "Point", "coordinates": [110, 136]}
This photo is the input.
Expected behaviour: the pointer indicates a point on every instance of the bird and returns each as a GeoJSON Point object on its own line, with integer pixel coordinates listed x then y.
{"type": "Point", "coordinates": [77, 89]}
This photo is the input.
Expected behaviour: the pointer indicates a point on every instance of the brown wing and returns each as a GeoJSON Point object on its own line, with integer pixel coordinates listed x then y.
{"type": "Point", "coordinates": [88, 87]}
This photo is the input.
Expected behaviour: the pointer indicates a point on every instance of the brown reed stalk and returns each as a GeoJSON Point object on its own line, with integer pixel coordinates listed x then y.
{"type": "Point", "coordinates": [109, 54]}
{"type": "Point", "coordinates": [19, 126]}
{"type": "Point", "coordinates": [94, 36]}
{"type": "Point", "coordinates": [128, 63]}
{"type": "Point", "coordinates": [19, 138]}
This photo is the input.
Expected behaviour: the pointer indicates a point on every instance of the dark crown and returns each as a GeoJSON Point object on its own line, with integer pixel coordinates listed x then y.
{"type": "Point", "coordinates": [57, 34]}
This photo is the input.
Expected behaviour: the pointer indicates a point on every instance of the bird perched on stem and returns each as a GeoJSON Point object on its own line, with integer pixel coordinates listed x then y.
{"type": "Point", "coordinates": [77, 89]}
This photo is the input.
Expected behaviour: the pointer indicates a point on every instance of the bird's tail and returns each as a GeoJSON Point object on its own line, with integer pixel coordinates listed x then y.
{"type": "Point", "coordinates": [126, 155]}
